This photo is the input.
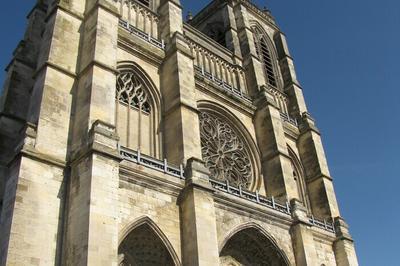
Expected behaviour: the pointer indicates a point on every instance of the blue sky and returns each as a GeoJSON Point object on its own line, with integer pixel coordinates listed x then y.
{"type": "Point", "coordinates": [346, 54]}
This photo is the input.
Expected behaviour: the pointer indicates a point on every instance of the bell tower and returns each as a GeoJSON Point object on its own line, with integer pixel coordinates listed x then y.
{"type": "Point", "coordinates": [130, 136]}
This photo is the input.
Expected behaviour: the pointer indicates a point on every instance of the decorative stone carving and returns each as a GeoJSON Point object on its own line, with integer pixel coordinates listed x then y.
{"type": "Point", "coordinates": [130, 91]}
{"type": "Point", "coordinates": [224, 152]}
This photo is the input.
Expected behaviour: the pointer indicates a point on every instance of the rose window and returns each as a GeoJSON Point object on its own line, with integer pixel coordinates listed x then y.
{"type": "Point", "coordinates": [224, 152]}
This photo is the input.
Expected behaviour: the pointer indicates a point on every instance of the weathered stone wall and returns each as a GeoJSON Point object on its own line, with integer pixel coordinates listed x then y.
{"type": "Point", "coordinates": [141, 195]}
{"type": "Point", "coordinates": [325, 253]}
{"type": "Point", "coordinates": [32, 222]}
{"type": "Point", "coordinates": [230, 220]}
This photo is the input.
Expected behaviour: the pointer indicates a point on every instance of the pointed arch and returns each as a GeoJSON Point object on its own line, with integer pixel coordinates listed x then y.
{"type": "Point", "coordinates": [298, 174]}
{"type": "Point", "coordinates": [250, 148]}
{"type": "Point", "coordinates": [138, 110]}
{"type": "Point", "coordinates": [267, 54]}
{"type": "Point", "coordinates": [152, 227]}
{"type": "Point", "coordinates": [269, 249]}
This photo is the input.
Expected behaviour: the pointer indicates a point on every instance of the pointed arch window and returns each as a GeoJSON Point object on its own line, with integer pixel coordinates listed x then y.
{"type": "Point", "coordinates": [130, 91]}
{"type": "Point", "coordinates": [137, 118]}
{"type": "Point", "coordinates": [265, 55]}
{"type": "Point", "coordinates": [298, 175]}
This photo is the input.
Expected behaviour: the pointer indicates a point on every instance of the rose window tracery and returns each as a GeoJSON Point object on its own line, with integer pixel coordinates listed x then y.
{"type": "Point", "coordinates": [224, 151]}
{"type": "Point", "coordinates": [130, 91]}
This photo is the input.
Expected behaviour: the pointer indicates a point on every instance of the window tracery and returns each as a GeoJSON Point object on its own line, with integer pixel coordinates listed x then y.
{"type": "Point", "coordinates": [130, 91]}
{"type": "Point", "coordinates": [136, 114]}
{"type": "Point", "coordinates": [224, 152]}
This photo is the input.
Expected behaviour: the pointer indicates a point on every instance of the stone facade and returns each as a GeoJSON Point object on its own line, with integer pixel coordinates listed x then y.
{"type": "Point", "coordinates": [131, 137]}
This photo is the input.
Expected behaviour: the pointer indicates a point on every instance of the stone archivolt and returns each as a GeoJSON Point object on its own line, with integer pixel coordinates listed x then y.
{"type": "Point", "coordinates": [224, 152]}
{"type": "Point", "coordinates": [251, 247]}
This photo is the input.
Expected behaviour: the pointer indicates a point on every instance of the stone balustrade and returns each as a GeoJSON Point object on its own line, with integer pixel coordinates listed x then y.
{"type": "Point", "coordinates": [232, 75]}
{"type": "Point", "coordinates": [139, 17]}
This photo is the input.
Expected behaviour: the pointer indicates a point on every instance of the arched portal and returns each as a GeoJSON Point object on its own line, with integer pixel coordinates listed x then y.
{"type": "Point", "coordinates": [251, 246]}
{"type": "Point", "coordinates": [145, 245]}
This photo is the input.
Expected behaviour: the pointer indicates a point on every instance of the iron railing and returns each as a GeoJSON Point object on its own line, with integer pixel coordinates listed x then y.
{"type": "Point", "coordinates": [141, 34]}
{"type": "Point", "coordinates": [250, 196]}
{"type": "Point", "coordinates": [163, 166]}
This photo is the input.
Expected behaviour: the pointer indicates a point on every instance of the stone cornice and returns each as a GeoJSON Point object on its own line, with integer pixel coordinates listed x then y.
{"type": "Point", "coordinates": [264, 16]}
{"type": "Point", "coordinates": [212, 90]}
{"type": "Point", "coordinates": [243, 207]}
{"type": "Point", "coordinates": [54, 66]}
{"type": "Point", "coordinates": [139, 175]}
{"type": "Point", "coordinates": [133, 44]}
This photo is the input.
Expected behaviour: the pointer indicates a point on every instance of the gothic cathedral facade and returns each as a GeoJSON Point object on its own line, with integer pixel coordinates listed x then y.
{"type": "Point", "coordinates": [129, 136]}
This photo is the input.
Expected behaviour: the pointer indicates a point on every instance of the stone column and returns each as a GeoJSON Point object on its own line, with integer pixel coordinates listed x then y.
{"type": "Point", "coordinates": [302, 236]}
{"type": "Point", "coordinates": [319, 183]}
{"type": "Point", "coordinates": [198, 221]}
{"type": "Point", "coordinates": [343, 247]}
{"type": "Point", "coordinates": [276, 164]}
{"type": "Point", "coordinates": [92, 209]}
{"type": "Point", "coordinates": [181, 121]}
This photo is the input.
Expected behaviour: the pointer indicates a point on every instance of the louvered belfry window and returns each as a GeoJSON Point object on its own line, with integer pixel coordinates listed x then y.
{"type": "Point", "coordinates": [267, 61]}
{"type": "Point", "coordinates": [264, 53]}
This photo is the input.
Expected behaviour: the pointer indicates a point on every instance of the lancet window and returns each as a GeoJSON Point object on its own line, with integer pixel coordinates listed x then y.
{"type": "Point", "coordinates": [298, 176]}
{"type": "Point", "coordinates": [136, 117]}
{"type": "Point", "coordinates": [224, 151]}
{"type": "Point", "coordinates": [265, 55]}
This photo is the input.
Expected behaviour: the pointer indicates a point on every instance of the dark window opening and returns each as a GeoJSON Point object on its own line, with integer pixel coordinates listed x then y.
{"type": "Point", "coordinates": [267, 61]}
{"type": "Point", "coordinates": [144, 2]}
